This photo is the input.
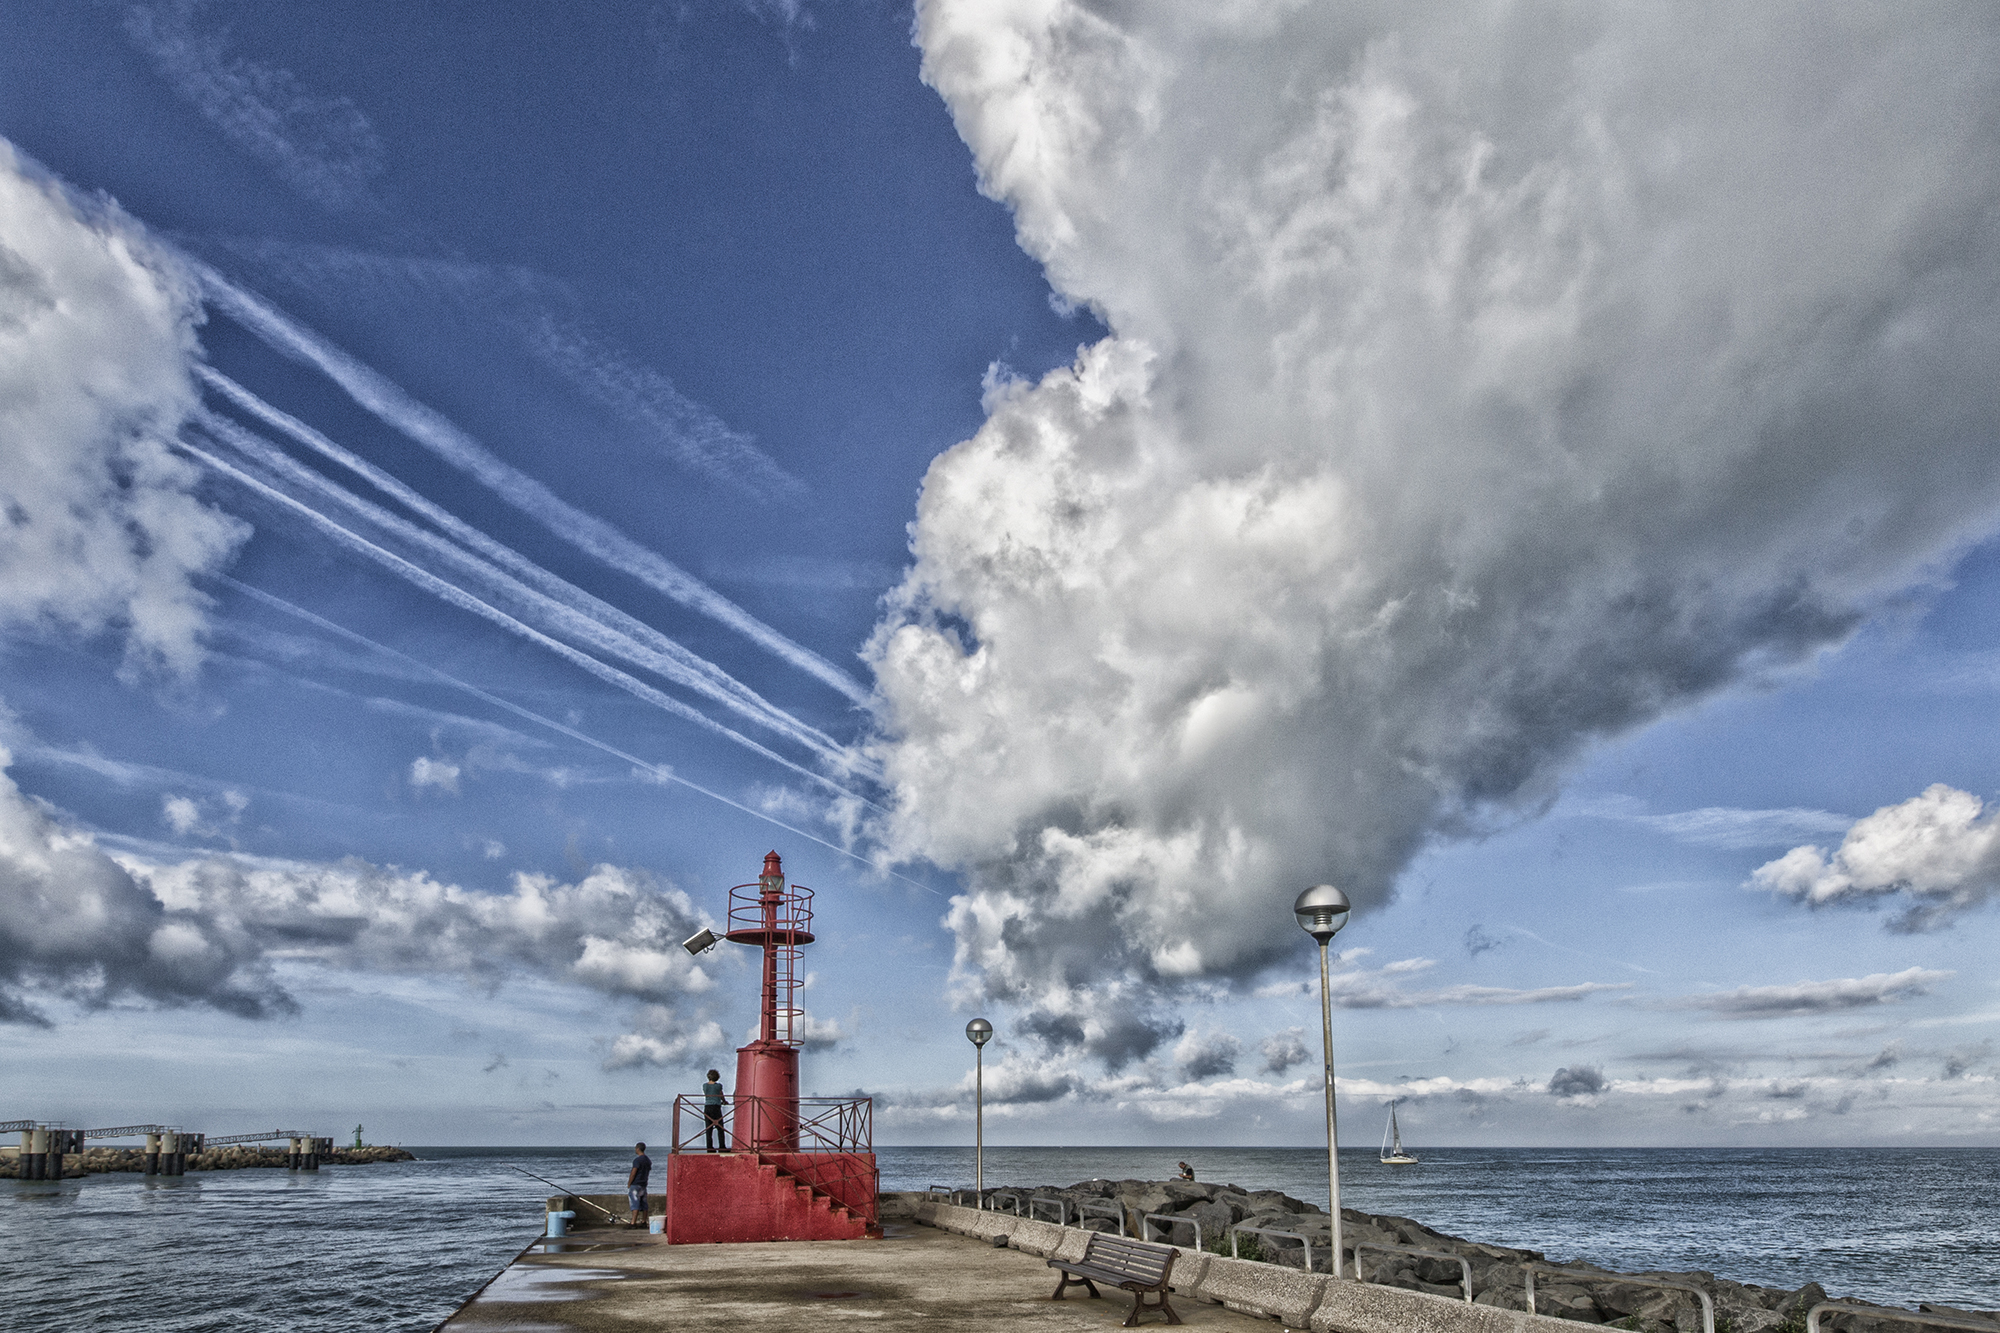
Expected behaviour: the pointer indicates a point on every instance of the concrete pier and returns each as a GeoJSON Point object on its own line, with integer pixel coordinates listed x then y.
{"type": "Point", "coordinates": [914, 1278]}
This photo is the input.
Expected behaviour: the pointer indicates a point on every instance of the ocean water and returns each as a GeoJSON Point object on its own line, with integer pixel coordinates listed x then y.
{"type": "Point", "coordinates": [400, 1245]}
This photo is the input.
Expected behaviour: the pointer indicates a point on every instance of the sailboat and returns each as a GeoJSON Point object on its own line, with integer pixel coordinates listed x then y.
{"type": "Point", "coordinates": [1393, 1153]}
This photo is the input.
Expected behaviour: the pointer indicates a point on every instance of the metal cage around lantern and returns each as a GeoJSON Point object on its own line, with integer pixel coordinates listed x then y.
{"type": "Point", "coordinates": [775, 915]}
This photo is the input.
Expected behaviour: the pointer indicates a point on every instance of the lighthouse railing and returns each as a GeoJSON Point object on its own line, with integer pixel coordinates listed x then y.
{"type": "Point", "coordinates": [833, 1148]}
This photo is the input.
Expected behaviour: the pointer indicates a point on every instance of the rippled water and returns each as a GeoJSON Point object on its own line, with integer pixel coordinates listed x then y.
{"type": "Point", "coordinates": [401, 1245]}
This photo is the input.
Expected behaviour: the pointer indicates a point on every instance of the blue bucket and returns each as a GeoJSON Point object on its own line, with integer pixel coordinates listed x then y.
{"type": "Point", "coordinates": [559, 1223]}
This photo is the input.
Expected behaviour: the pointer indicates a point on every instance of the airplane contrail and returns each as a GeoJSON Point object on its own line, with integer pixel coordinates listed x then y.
{"type": "Point", "coordinates": [431, 429]}
{"type": "Point", "coordinates": [465, 601]}
{"type": "Point", "coordinates": [606, 627]}
{"type": "Point", "coordinates": [661, 771]}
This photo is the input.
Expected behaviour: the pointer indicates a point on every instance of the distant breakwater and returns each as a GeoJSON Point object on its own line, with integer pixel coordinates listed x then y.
{"type": "Point", "coordinates": [1497, 1270]}
{"type": "Point", "coordinates": [235, 1157]}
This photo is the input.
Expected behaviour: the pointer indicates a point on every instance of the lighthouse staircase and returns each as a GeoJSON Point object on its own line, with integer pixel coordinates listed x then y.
{"type": "Point", "coordinates": [762, 1195]}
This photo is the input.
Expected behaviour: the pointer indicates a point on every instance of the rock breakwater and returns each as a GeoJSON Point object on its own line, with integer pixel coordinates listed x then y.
{"type": "Point", "coordinates": [235, 1157]}
{"type": "Point", "coordinates": [1620, 1300]}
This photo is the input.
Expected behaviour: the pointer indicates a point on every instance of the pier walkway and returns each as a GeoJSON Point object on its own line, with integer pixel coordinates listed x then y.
{"type": "Point", "coordinates": [914, 1278]}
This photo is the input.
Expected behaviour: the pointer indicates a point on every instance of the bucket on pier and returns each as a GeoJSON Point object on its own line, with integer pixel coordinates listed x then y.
{"type": "Point", "coordinates": [559, 1222]}
{"type": "Point", "coordinates": [657, 1225]}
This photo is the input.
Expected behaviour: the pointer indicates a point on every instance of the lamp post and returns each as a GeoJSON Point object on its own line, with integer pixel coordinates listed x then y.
{"type": "Point", "coordinates": [1322, 910]}
{"type": "Point", "coordinates": [979, 1032]}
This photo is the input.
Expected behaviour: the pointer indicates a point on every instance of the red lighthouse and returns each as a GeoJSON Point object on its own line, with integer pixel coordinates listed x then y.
{"type": "Point", "coordinates": [796, 1168]}
{"type": "Point", "coordinates": [777, 918]}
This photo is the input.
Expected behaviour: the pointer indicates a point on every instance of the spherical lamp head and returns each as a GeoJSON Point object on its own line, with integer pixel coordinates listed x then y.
{"type": "Point", "coordinates": [1322, 910]}
{"type": "Point", "coordinates": [979, 1032]}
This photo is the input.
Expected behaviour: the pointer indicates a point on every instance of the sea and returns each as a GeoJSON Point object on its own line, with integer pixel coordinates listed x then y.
{"type": "Point", "coordinates": [401, 1245]}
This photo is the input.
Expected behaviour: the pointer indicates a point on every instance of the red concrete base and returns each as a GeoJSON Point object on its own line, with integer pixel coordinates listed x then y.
{"type": "Point", "coordinates": [722, 1198]}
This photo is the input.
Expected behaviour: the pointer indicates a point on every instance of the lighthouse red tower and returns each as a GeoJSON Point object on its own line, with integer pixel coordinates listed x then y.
{"type": "Point", "coordinates": [777, 918]}
{"type": "Point", "coordinates": [796, 1168]}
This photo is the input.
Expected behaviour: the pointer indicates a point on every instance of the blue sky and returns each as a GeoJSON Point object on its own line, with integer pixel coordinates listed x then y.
{"type": "Point", "coordinates": [476, 480]}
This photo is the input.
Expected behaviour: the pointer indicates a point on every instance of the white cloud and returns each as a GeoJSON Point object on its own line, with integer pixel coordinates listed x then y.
{"type": "Point", "coordinates": [1205, 1055]}
{"type": "Point", "coordinates": [181, 813]}
{"type": "Point", "coordinates": [428, 772]}
{"type": "Point", "coordinates": [1937, 853]}
{"type": "Point", "coordinates": [664, 1038]}
{"type": "Point", "coordinates": [1816, 997]}
{"type": "Point", "coordinates": [79, 924]}
{"type": "Point", "coordinates": [98, 524]}
{"type": "Point", "coordinates": [1481, 384]}
{"type": "Point", "coordinates": [1716, 826]}
{"type": "Point", "coordinates": [1284, 1049]}
{"type": "Point", "coordinates": [323, 147]}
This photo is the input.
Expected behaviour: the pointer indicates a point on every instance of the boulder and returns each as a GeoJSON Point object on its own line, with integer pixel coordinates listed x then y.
{"type": "Point", "coordinates": [1566, 1301]}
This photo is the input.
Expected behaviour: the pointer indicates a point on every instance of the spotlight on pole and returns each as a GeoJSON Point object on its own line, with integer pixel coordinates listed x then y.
{"type": "Point", "coordinates": [700, 942]}
{"type": "Point", "coordinates": [979, 1032]}
{"type": "Point", "coordinates": [1322, 910]}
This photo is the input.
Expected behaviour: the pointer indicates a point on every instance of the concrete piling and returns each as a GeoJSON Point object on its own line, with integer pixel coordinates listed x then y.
{"type": "Point", "coordinates": [170, 1151]}
{"type": "Point", "coordinates": [152, 1154]}
{"type": "Point", "coordinates": [37, 1165]}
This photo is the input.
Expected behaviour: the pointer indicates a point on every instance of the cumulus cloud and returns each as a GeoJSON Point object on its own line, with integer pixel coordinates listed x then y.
{"type": "Point", "coordinates": [1207, 1054]}
{"type": "Point", "coordinates": [99, 526]}
{"type": "Point", "coordinates": [1937, 854]}
{"type": "Point", "coordinates": [1816, 997]}
{"type": "Point", "coordinates": [664, 1038]}
{"type": "Point", "coordinates": [1480, 384]}
{"type": "Point", "coordinates": [1284, 1049]}
{"type": "Point", "coordinates": [1580, 1081]}
{"type": "Point", "coordinates": [77, 925]}
{"type": "Point", "coordinates": [82, 925]}
{"type": "Point", "coordinates": [321, 146]}
{"type": "Point", "coordinates": [428, 772]}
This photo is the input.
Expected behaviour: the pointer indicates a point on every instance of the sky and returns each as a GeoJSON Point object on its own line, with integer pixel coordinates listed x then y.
{"type": "Point", "coordinates": [1067, 476]}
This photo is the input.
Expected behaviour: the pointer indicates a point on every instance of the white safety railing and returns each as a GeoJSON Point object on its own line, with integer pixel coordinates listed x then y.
{"type": "Point", "coordinates": [1168, 1221]}
{"type": "Point", "coordinates": [1464, 1268]}
{"type": "Point", "coordinates": [1903, 1316]}
{"type": "Point", "coordinates": [1305, 1246]}
{"type": "Point", "coordinates": [1060, 1205]}
{"type": "Point", "coordinates": [1089, 1208]}
{"type": "Point", "coordinates": [1620, 1279]}
{"type": "Point", "coordinates": [993, 1200]}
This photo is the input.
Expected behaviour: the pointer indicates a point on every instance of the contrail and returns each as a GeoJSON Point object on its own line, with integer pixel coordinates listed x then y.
{"type": "Point", "coordinates": [660, 771]}
{"type": "Point", "coordinates": [433, 431]}
{"type": "Point", "coordinates": [465, 601]}
{"type": "Point", "coordinates": [603, 625]}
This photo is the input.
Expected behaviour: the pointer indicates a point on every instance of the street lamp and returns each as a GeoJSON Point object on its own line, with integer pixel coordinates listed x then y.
{"type": "Point", "coordinates": [979, 1032]}
{"type": "Point", "coordinates": [1322, 910]}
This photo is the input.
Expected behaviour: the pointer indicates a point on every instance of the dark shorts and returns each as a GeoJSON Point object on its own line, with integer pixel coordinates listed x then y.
{"type": "Point", "coordinates": [637, 1197]}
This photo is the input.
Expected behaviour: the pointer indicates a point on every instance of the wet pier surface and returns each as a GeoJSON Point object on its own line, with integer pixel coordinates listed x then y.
{"type": "Point", "coordinates": [916, 1277]}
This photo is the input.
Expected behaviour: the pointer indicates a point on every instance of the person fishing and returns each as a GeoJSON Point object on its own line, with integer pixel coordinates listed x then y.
{"type": "Point", "coordinates": [635, 1184]}
{"type": "Point", "coordinates": [711, 1112]}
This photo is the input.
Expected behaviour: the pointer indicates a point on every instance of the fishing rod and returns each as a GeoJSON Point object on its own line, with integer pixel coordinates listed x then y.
{"type": "Point", "coordinates": [566, 1191]}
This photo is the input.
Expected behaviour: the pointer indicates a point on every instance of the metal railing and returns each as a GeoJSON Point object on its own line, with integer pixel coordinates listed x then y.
{"type": "Point", "coordinates": [1305, 1246]}
{"type": "Point", "coordinates": [1089, 1208]}
{"type": "Point", "coordinates": [1012, 1196]}
{"type": "Point", "coordinates": [1620, 1280]}
{"type": "Point", "coordinates": [1061, 1207]}
{"type": "Point", "coordinates": [1902, 1316]}
{"type": "Point", "coordinates": [1170, 1221]}
{"type": "Point", "coordinates": [1464, 1268]}
{"type": "Point", "coordinates": [259, 1138]}
{"type": "Point", "coordinates": [822, 1138]}
{"type": "Point", "coordinates": [820, 1124]}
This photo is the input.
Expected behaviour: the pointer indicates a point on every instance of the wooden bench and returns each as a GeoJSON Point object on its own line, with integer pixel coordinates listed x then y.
{"type": "Point", "coordinates": [1137, 1266]}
